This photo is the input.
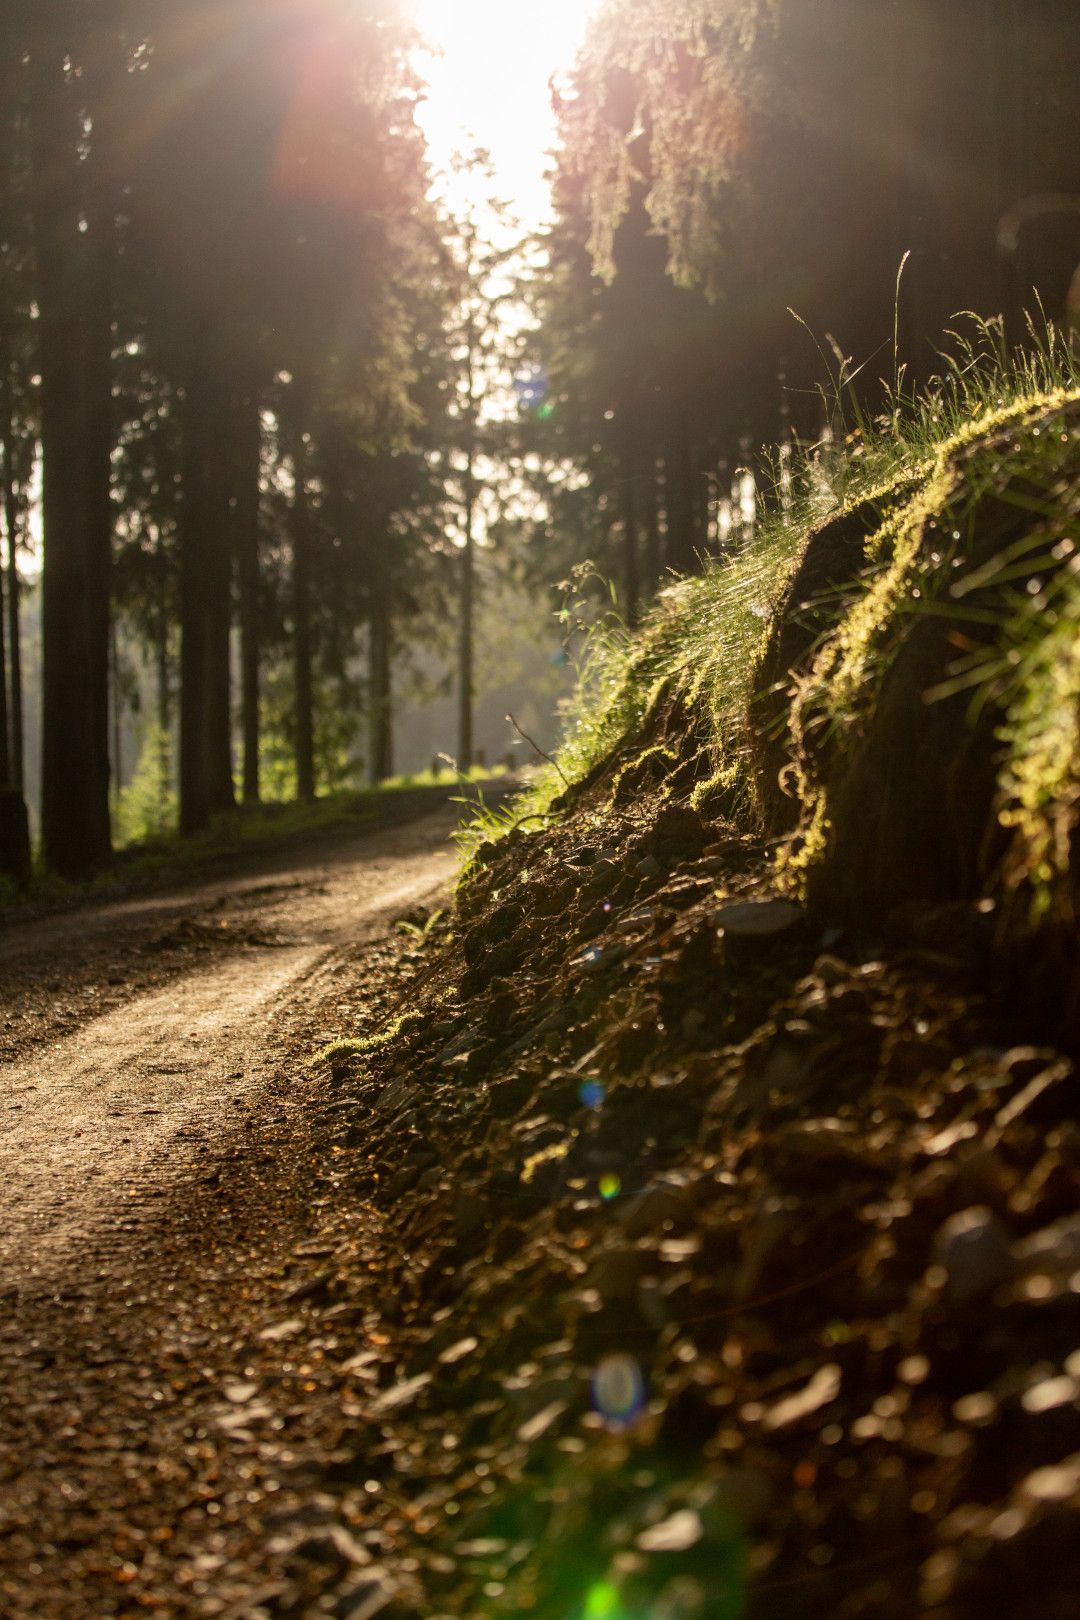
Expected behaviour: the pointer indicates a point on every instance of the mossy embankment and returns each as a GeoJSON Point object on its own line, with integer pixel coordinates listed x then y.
{"type": "Point", "coordinates": [888, 693]}
{"type": "Point", "coordinates": [727, 1134]}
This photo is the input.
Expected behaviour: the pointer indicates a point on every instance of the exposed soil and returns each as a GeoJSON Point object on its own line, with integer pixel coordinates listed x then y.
{"type": "Point", "coordinates": [59, 970]}
{"type": "Point", "coordinates": [159, 1171]}
{"type": "Point", "coordinates": [739, 1267]}
{"type": "Point", "coordinates": [667, 1260]}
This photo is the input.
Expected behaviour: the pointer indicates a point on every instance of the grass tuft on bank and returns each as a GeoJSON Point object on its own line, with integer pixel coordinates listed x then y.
{"type": "Point", "coordinates": [958, 504]}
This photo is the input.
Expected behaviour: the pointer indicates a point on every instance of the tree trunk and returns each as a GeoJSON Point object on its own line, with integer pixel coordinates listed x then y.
{"type": "Point", "coordinates": [164, 703]}
{"type": "Point", "coordinates": [301, 609]}
{"type": "Point", "coordinates": [14, 836]}
{"type": "Point", "coordinates": [652, 563]}
{"type": "Point", "coordinates": [117, 749]}
{"type": "Point", "coordinates": [219, 765]}
{"type": "Point", "coordinates": [75, 783]}
{"type": "Point", "coordinates": [5, 748]}
{"type": "Point", "coordinates": [246, 549]}
{"type": "Point", "coordinates": [15, 698]}
{"type": "Point", "coordinates": [631, 559]}
{"type": "Point", "coordinates": [205, 739]}
{"type": "Point", "coordinates": [11, 352]}
{"type": "Point", "coordinates": [101, 199]}
{"type": "Point", "coordinates": [381, 758]}
{"type": "Point", "coordinates": [466, 648]}
{"type": "Point", "coordinates": [681, 535]}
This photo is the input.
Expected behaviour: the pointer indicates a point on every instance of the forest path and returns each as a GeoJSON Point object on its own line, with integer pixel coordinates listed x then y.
{"type": "Point", "coordinates": [97, 1121]}
{"type": "Point", "coordinates": [164, 1167]}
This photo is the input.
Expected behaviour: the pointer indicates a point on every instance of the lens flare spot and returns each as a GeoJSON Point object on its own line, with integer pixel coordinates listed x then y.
{"type": "Point", "coordinates": [610, 1187]}
{"type": "Point", "coordinates": [602, 1603]}
{"type": "Point", "coordinates": [618, 1389]}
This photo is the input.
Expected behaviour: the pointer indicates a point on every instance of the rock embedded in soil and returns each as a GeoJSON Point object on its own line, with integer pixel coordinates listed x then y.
{"type": "Point", "coordinates": [974, 1251]}
{"type": "Point", "coordinates": [660, 1205]}
{"type": "Point", "coordinates": [707, 1316]}
{"type": "Point", "coordinates": [1054, 1251]}
{"type": "Point", "coordinates": [758, 919]}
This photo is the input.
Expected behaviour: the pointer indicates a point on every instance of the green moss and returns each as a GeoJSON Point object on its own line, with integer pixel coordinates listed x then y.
{"type": "Point", "coordinates": [923, 470]}
{"type": "Point", "coordinates": [912, 576]}
{"type": "Point", "coordinates": [1041, 780]}
{"type": "Point", "coordinates": [720, 793]}
{"type": "Point", "coordinates": [637, 768]}
{"type": "Point", "coordinates": [342, 1051]}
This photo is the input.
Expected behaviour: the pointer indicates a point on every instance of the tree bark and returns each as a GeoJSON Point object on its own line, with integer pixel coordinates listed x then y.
{"type": "Point", "coordinates": [75, 779]}
{"type": "Point", "coordinates": [205, 739]}
{"type": "Point", "coordinates": [101, 187]}
{"type": "Point", "coordinates": [652, 563]}
{"type": "Point", "coordinates": [117, 717]}
{"type": "Point", "coordinates": [246, 550]}
{"type": "Point", "coordinates": [466, 643]}
{"type": "Point", "coordinates": [5, 748]}
{"type": "Point", "coordinates": [14, 836]}
{"type": "Point", "coordinates": [219, 764]}
{"type": "Point", "coordinates": [380, 680]}
{"type": "Point", "coordinates": [301, 609]}
{"type": "Point", "coordinates": [11, 351]}
{"type": "Point", "coordinates": [681, 534]}
{"type": "Point", "coordinates": [164, 696]}
{"type": "Point", "coordinates": [631, 559]}
{"type": "Point", "coordinates": [14, 639]}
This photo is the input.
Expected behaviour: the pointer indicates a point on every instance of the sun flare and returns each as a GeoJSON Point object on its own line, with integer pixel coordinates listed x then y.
{"type": "Point", "coordinates": [489, 85]}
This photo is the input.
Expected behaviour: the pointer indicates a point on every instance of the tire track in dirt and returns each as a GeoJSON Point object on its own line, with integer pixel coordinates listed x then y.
{"type": "Point", "coordinates": [96, 1126]}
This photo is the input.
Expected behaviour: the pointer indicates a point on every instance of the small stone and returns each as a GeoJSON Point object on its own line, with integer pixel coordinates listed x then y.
{"type": "Point", "coordinates": [743, 1494]}
{"type": "Point", "coordinates": [282, 1330]}
{"type": "Point", "coordinates": [678, 1533]}
{"type": "Point", "coordinates": [1049, 1394]}
{"type": "Point", "coordinates": [312, 1288]}
{"type": "Point", "coordinates": [331, 1544]}
{"type": "Point", "coordinates": [636, 920]}
{"type": "Point", "coordinates": [1054, 1250]}
{"type": "Point", "coordinates": [399, 1396]}
{"type": "Point", "coordinates": [976, 1410]}
{"type": "Point", "coordinates": [615, 1274]}
{"type": "Point", "coordinates": [1055, 1484]}
{"type": "Point", "coordinates": [1044, 1100]}
{"type": "Point", "coordinates": [470, 1214]}
{"type": "Point", "coordinates": [758, 919]}
{"type": "Point", "coordinates": [822, 1390]}
{"type": "Point", "coordinates": [591, 960]}
{"type": "Point", "coordinates": [654, 1207]}
{"type": "Point", "coordinates": [367, 1599]}
{"type": "Point", "coordinates": [239, 1394]}
{"type": "Point", "coordinates": [538, 1426]}
{"type": "Point", "coordinates": [974, 1251]}
{"type": "Point", "coordinates": [649, 867]}
{"type": "Point", "coordinates": [457, 1352]}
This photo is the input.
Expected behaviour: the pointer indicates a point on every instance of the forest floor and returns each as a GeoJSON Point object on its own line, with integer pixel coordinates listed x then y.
{"type": "Point", "coordinates": [664, 1262]}
{"type": "Point", "coordinates": [159, 1174]}
{"type": "Point", "coordinates": [646, 1232]}
{"type": "Point", "coordinates": [268, 836]}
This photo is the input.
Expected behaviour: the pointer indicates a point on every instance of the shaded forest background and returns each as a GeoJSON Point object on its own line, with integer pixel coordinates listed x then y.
{"type": "Point", "coordinates": [270, 402]}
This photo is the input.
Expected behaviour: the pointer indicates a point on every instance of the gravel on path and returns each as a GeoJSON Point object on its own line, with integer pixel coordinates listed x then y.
{"type": "Point", "coordinates": [158, 1172]}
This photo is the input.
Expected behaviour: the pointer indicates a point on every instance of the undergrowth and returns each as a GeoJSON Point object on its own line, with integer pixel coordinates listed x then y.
{"type": "Point", "coordinates": [705, 636]}
{"type": "Point", "coordinates": [248, 831]}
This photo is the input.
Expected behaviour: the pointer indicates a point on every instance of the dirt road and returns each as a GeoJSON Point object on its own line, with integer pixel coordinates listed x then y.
{"type": "Point", "coordinates": [153, 1166]}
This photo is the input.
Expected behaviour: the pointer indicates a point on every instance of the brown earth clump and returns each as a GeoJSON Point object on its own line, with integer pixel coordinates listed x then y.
{"type": "Point", "coordinates": [736, 1251]}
